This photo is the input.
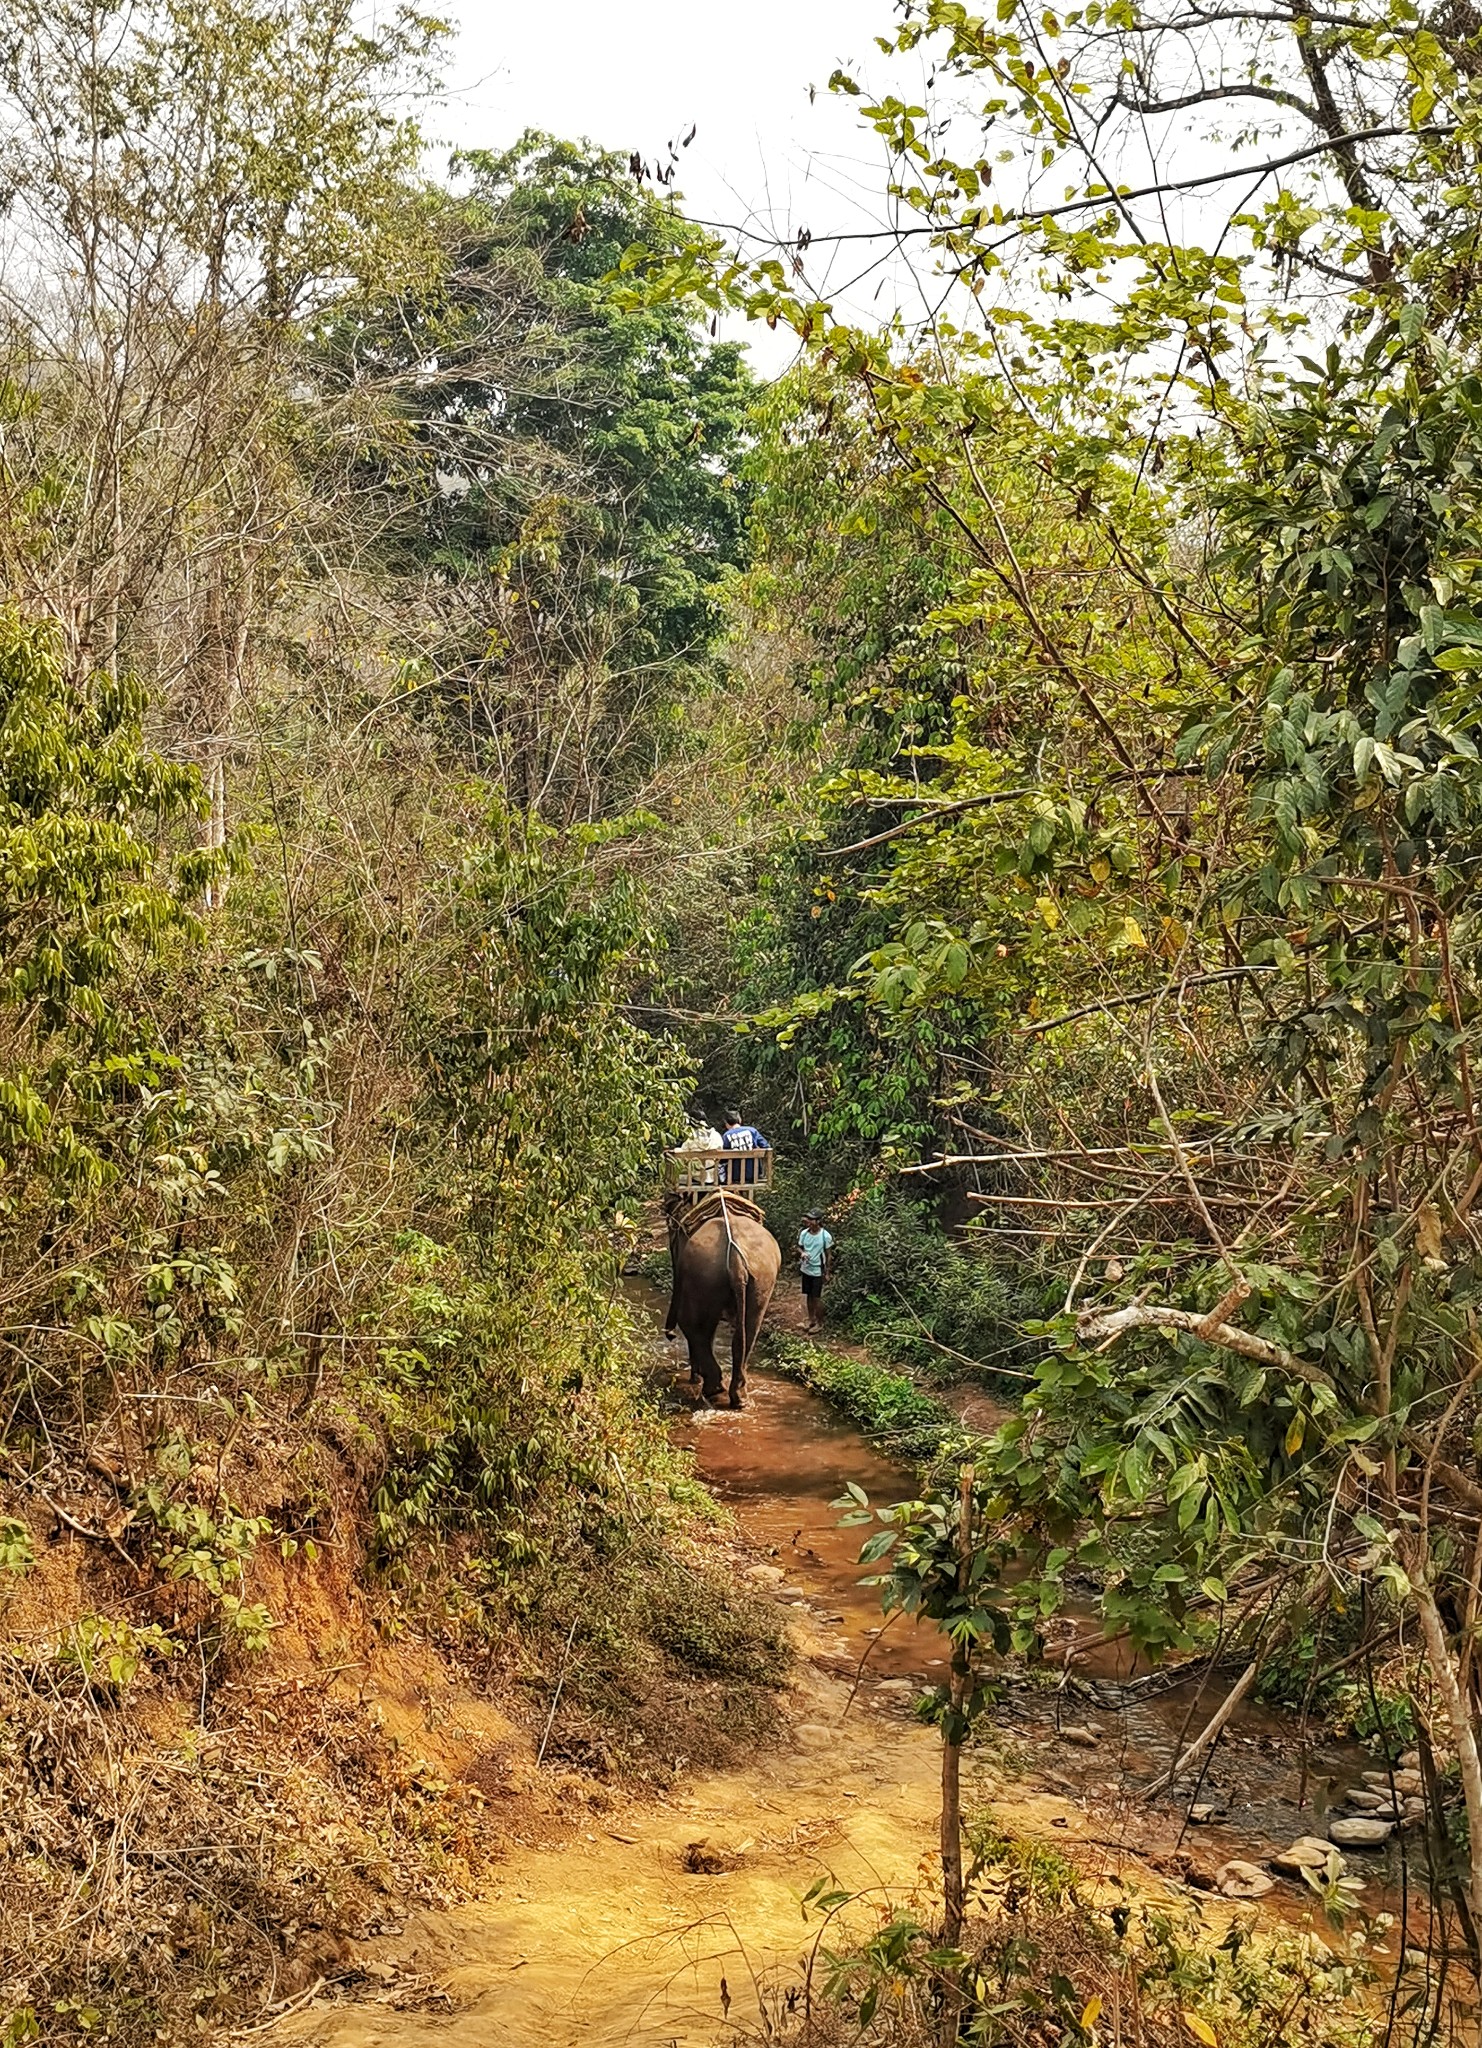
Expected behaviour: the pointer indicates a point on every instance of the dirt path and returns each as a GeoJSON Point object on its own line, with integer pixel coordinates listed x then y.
{"type": "Point", "coordinates": [624, 1931]}
{"type": "Point", "coordinates": [613, 1936]}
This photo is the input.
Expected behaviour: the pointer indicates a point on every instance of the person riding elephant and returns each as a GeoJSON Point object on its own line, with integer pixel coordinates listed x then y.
{"type": "Point", "coordinates": [725, 1268]}
{"type": "Point", "coordinates": [739, 1136]}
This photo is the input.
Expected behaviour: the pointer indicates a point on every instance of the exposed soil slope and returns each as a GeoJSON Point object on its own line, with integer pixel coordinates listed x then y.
{"type": "Point", "coordinates": [624, 1932]}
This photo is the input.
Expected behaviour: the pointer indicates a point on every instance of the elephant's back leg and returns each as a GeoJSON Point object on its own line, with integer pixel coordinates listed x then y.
{"type": "Point", "coordinates": [745, 1334]}
{"type": "Point", "coordinates": [700, 1336]}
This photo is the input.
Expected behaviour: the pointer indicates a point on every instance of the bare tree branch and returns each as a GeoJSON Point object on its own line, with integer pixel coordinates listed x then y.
{"type": "Point", "coordinates": [967, 803]}
{"type": "Point", "coordinates": [1208, 93]}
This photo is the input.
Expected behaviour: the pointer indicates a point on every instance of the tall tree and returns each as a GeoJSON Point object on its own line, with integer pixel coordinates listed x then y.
{"type": "Point", "coordinates": [579, 505]}
{"type": "Point", "coordinates": [189, 180]}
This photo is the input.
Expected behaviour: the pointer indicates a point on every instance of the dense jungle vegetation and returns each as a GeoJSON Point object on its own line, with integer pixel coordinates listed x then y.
{"type": "Point", "coordinates": [454, 718]}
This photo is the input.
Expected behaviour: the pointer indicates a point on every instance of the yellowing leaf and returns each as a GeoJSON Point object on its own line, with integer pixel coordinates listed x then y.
{"type": "Point", "coordinates": [1100, 868]}
{"type": "Point", "coordinates": [1201, 2030]}
{"type": "Point", "coordinates": [1428, 1231]}
{"type": "Point", "coordinates": [1092, 2013]}
{"type": "Point", "coordinates": [1049, 910]}
{"type": "Point", "coordinates": [1296, 1430]}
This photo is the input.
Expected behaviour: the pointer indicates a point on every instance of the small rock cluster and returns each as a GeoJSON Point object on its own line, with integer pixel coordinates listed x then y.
{"type": "Point", "coordinates": [1383, 1801]}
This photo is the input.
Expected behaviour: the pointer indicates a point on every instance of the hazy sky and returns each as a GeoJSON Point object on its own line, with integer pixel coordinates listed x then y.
{"type": "Point", "coordinates": [766, 154]}
{"type": "Point", "coordinates": [636, 75]}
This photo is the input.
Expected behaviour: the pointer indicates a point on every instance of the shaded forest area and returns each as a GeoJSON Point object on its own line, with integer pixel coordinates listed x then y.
{"type": "Point", "coordinates": [454, 720]}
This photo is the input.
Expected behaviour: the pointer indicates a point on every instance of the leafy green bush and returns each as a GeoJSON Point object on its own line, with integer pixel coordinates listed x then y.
{"type": "Point", "coordinates": [886, 1404]}
{"type": "Point", "coordinates": [903, 1285]}
{"type": "Point", "coordinates": [1042, 1961]}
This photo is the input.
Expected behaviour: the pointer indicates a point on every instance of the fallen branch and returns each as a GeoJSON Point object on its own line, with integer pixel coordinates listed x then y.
{"type": "Point", "coordinates": [1450, 1477]}
{"type": "Point", "coordinates": [1104, 1325]}
{"type": "Point", "coordinates": [24, 1478]}
{"type": "Point", "coordinates": [1206, 1741]}
{"type": "Point", "coordinates": [550, 1721]}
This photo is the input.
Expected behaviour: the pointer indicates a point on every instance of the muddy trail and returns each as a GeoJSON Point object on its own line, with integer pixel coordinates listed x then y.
{"type": "Point", "coordinates": [677, 1920]}
{"type": "Point", "coordinates": [781, 1466]}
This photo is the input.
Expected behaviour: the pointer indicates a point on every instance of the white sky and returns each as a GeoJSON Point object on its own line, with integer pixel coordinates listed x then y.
{"type": "Point", "coordinates": [637, 75]}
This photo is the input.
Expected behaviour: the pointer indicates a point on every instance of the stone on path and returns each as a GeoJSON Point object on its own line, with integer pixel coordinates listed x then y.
{"type": "Point", "coordinates": [1360, 1832]}
{"type": "Point", "coordinates": [1238, 1879]}
{"type": "Point", "coordinates": [1083, 1738]}
{"type": "Point", "coordinates": [1308, 1852]}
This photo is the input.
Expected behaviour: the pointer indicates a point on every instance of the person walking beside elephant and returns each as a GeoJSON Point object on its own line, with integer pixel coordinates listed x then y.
{"type": "Point", "coordinates": [815, 1261]}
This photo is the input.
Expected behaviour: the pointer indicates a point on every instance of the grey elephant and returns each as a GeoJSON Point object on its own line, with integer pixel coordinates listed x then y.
{"type": "Point", "coordinates": [725, 1263]}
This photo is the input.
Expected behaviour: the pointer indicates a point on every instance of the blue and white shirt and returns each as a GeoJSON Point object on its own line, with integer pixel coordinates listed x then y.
{"type": "Point", "coordinates": [743, 1138]}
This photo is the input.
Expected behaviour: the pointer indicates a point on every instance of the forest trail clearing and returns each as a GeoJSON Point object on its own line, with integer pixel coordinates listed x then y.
{"type": "Point", "coordinates": [611, 1935]}
{"type": "Point", "coordinates": [610, 1938]}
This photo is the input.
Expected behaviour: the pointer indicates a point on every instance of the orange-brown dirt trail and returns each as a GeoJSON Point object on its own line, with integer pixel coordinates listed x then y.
{"type": "Point", "coordinates": [628, 1931]}
{"type": "Point", "coordinates": [672, 1920]}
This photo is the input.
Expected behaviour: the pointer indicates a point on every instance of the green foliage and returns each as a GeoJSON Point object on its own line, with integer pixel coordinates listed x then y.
{"type": "Point", "coordinates": [107, 1650]}
{"type": "Point", "coordinates": [1041, 1954]}
{"type": "Point", "coordinates": [482, 1411]}
{"type": "Point", "coordinates": [17, 1551]}
{"type": "Point", "coordinates": [575, 507]}
{"type": "Point", "coordinates": [1032, 1871]}
{"type": "Point", "coordinates": [83, 901]}
{"type": "Point", "coordinates": [944, 1568]}
{"type": "Point", "coordinates": [548, 1104]}
{"type": "Point", "coordinates": [887, 1404]}
{"type": "Point", "coordinates": [707, 1630]}
{"type": "Point", "coordinates": [649, 413]}
{"type": "Point", "coordinates": [902, 1285]}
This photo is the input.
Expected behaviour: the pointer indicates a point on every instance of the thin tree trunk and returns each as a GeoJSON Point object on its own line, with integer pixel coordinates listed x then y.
{"type": "Point", "coordinates": [951, 1833]}
{"type": "Point", "coordinates": [224, 651]}
{"type": "Point", "coordinates": [958, 1685]}
{"type": "Point", "coordinates": [1463, 1735]}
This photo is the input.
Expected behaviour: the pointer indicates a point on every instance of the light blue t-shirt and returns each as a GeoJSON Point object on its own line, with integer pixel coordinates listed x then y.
{"type": "Point", "coordinates": [813, 1244]}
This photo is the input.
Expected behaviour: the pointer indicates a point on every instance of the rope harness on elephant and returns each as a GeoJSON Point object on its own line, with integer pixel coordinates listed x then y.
{"type": "Point", "coordinates": [686, 1217]}
{"type": "Point", "coordinates": [731, 1244]}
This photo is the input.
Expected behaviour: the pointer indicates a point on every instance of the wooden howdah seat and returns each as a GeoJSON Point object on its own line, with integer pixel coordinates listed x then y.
{"type": "Point", "coordinates": [694, 1175]}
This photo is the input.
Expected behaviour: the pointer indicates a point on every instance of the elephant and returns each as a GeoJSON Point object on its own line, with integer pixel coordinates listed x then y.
{"type": "Point", "coordinates": [726, 1267]}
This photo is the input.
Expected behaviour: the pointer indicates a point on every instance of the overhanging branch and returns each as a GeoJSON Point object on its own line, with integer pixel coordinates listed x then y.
{"type": "Point", "coordinates": [1104, 1326]}
{"type": "Point", "coordinates": [1026, 216]}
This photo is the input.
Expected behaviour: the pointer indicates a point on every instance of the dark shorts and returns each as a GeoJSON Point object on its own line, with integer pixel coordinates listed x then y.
{"type": "Point", "coordinates": [812, 1286]}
